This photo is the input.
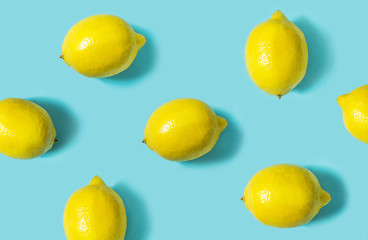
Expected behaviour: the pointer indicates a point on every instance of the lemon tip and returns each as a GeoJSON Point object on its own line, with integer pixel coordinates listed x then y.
{"type": "Point", "coordinates": [140, 39]}
{"type": "Point", "coordinates": [325, 197]}
{"type": "Point", "coordinates": [278, 15]}
{"type": "Point", "coordinates": [96, 180]}
{"type": "Point", "coordinates": [340, 100]}
{"type": "Point", "coordinates": [222, 122]}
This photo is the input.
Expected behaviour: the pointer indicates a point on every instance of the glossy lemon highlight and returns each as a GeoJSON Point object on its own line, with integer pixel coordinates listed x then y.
{"type": "Point", "coordinates": [101, 46]}
{"type": "Point", "coordinates": [284, 196]}
{"type": "Point", "coordinates": [26, 129]}
{"type": "Point", "coordinates": [183, 129]}
{"type": "Point", "coordinates": [276, 55]}
{"type": "Point", "coordinates": [355, 112]}
{"type": "Point", "coordinates": [95, 212]}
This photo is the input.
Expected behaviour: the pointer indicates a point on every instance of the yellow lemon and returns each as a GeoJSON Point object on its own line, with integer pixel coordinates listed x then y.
{"type": "Point", "coordinates": [95, 212]}
{"type": "Point", "coordinates": [26, 129]}
{"type": "Point", "coordinates": [276, 55]}
{"type": "Point", "coordinates": [355, 112]}
{"type": "Point", "coordinates": [183, 129]}
{"type": "Point", "coordinates": [284, 196]}
{"type": "Point", "coordinates": [101, 46]}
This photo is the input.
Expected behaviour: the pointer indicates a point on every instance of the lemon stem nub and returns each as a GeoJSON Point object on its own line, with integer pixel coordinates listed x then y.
{"type": "Point", "coordinates": [140, 40]}
{"type": "Point", "coordinates": [278, 15]}
{"type": "Point", "coordinates": [61, 56]}
{"type": "Point", "coordinates": [279, 97]}
{"type": "Point", "coordinates": [97, 181]}
{"type": "Point", "coordinates": [341, 99]}
{"type": "Point", "coordinates": [222, 123]}
{"type": "Point", "coordinates": [144, 141]}
{"type": "Point", "coordinates": [56, 140]}
{"type": "Point", "coordinates": [325, 198]}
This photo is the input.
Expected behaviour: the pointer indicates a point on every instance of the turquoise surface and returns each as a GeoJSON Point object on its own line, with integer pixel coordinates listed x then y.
{"type": "Point", "coordinates": [194, 49]}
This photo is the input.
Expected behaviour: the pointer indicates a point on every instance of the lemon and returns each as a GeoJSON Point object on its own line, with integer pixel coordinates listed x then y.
{"type": "Point", "coordinates": [101, 46]}
{"type": "Point", "coordinates": [276, 55]}
{"type": "Point", "coordinates": [95, 212]}
{"type": "Point", "coordinates": [26, 129]}
{"type": "Point", "coordinates": [284, 196]}
{"type": "Point", "coordinates": [355, 112]}
{"type": "Point", "coordinates": [183, 129]}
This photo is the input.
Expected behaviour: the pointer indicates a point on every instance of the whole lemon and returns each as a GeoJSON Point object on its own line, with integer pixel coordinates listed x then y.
{"type": "Point", "coordinates": [26, 129]}
{"type": "Point", "coordinates": [284, 196]}
{"type": "Point", "coordinates": [355, 112]}
{"type": "Point", "coordinates": [95, 212]}
{"type": "Point", "coordinates": [183, 129]}
{"type": "Point", "coordinates": [276, 55]}
{"type": "Point", "coordinates": [101, 46]}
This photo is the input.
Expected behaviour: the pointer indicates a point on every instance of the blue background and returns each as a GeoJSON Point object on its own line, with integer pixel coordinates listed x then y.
{"type": "Point", "coordinates": [193, 49]}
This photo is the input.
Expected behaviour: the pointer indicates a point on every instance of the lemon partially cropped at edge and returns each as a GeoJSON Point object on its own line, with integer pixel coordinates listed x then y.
{"type": "Point", "coordinates": [354, 106]}
{"type": "Point", "coordinates": [183, 129]}
{"type": "Point", "coordinates": [276, 55]}
{"type": "Point", "coordinates": [26, 129]}
{"type": "Point", "coordinates": [95, 212]}
{"type": "Point", "coordinates": [284, 196]}
{"type": "Point", "coordinates": [101, 46]}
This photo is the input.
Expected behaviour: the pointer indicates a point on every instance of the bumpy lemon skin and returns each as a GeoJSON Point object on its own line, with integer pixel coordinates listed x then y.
{"type": "Point", "coordinates": [26, 129]}
{"type": "Point", "coordinates": [101, 46]}
{"type": "Point", "coordinates": [95, 212]}
{"type": "Point", "coordinates": [355, 112]}
{"type": "Point", "coordinates": [276, 55]}
{"type": "Point", "coordinates": [284, 196]}
{"type": "Point", "coordinates": [183, 129]}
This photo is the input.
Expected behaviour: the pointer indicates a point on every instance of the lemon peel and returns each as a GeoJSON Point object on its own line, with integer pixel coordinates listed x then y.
{"type": "Point", "coordinates": [101, 46]}
{"type": "Point", "coordinates": [183, 129]}
{"type": "Point", "coordinates": [276, 55]}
